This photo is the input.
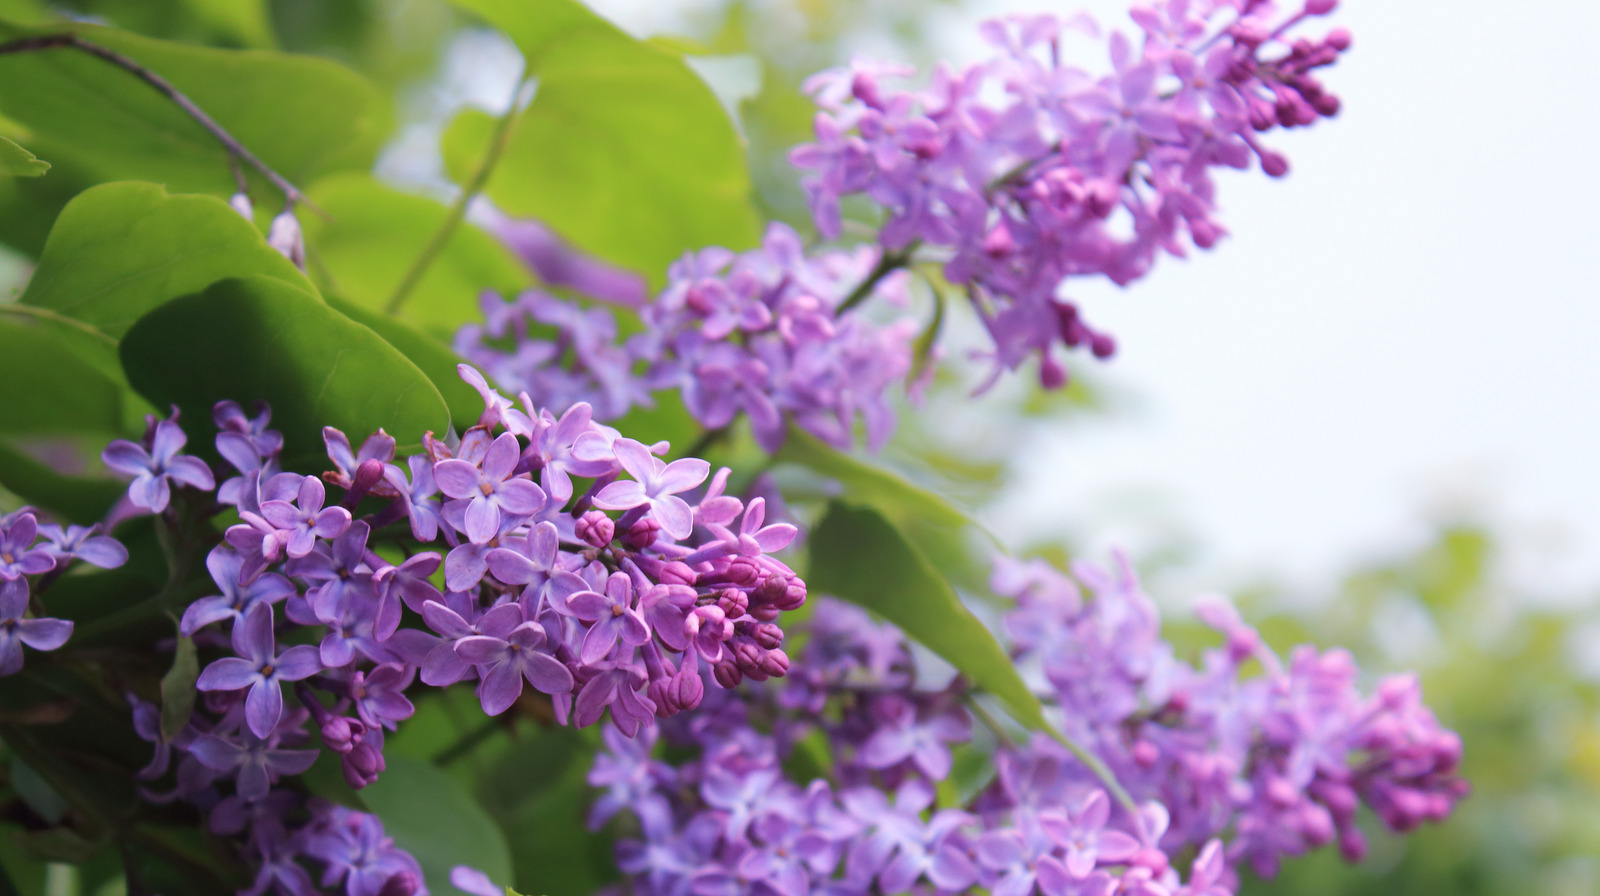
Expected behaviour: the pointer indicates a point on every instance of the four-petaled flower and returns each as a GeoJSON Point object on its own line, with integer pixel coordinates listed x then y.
{"type": "Point", "coordinates": [15, 631]}
{"type": "Point", "coordinates": [491, 490]}
{"type": "Point", "coordinates": [655, 483]}
{"type": "Point", "coordinates": [506, 656]}
{"type": "Point", "coordinates": [152, 469]}
{"type": "Point", "coordinates": [18, 556]}
{"type": "Point", "coordinates": [260, 668]}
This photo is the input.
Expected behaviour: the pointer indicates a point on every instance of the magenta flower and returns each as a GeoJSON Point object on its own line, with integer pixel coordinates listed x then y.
{"type": "Point", "coordinates": [505, 657]}
{"type": "Point", "coordinates": [260, 668]}
{"type": "Point", "coordinates": [15, 631]}
{"type": "Point", "coordinates": [656, 484]}
{"type": "Point", "coordinates": [152, 469]}
{"type": "Point", "coordinates": [491, 490]}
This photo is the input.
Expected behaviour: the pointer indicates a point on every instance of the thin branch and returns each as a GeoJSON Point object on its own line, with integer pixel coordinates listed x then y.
{"type": "Point", "coordinates": [458, 210]}
{"type": "Point", "coordinates": [165, 88]}
{"type": "Point", "coordinates": [888, 263]}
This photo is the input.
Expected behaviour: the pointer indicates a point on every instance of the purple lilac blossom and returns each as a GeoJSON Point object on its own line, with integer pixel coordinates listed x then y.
{"type": "Point", "coordinates": [1023, 171]}
{"type": "Point", "coordinates": [619, 622]}
{"type": "Point", "coordinates": [758, 333]}
{"type": "Point", "coordinates": [1231, 769]}
{"type": "Point", "coordinates": [156, 464]}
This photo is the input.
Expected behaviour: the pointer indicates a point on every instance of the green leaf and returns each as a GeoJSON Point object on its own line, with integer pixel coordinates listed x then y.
{"type": "Point", "coordinates": [76, 499]}
{"type": "Point", "coordinates": [624, 150]}
{"type": "Point", "coordinates": [858, 555]}
{"type": "Point", "coordinates": [177, 689]}
{"type": "Point", "coordinates": [435, 359]}
{"type": "Point", "coordinates": [244, 20]}
{"type": "Point", "coordinates": [431, 816]}
{"type": "Point", "coordinates": [304, 116]}
{"type": "Point", "coordinates": [890, 492]}
{"type": "Point", "coordinates": [119, 250]}
{"type": "Point", "coordinates": [53, 389]}
{"type": "Point", "coordinates": [262, 339]}
{"type": "Point", "coordinates": [18, 162]}
{"type": "Point", "coordinates": [377, 232]}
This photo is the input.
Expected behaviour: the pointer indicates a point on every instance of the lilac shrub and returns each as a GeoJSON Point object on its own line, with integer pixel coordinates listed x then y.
{"type": "Point", "coordinates": [572, 562]}
{"type": "Point", "coordinates": [1226, 768]}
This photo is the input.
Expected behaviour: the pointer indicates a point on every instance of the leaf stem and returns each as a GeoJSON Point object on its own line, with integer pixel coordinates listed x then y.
{"type": "Point", "coordinates": [236, 149]}
{"type": "Point", "coordinates": [888, 263]}
{"type": "Point", "coordinates": [498, 141]}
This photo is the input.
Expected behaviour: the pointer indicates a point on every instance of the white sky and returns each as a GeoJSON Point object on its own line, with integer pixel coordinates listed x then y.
{"type": "Point", "coordinates": [1400, 330]}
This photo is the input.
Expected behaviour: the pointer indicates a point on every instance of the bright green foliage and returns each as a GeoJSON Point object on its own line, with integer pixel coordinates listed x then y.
{"type": "Point", "coordinates": [623, 150]}
{"type": "Point", "coordinates": [431, 816]}
{"type": "Point", "coordinates": [119, 250]}
{"type": "Point", "coordinates": [858, 555]}
{"type": "Point", "coordinates": [18, 162]}
{"type": "Point", "coordinates": [244, 20]}
{"type": "Point", "coordinates": [304, 116]}
{"type": "Point", "coordinates": [76, 396]}
{"type": "Point", "coordinates": [261, 339]}
{"type": "Point", "coordinates": [377, 232]}
{"type": "Point", "coordinates": [432, 357]}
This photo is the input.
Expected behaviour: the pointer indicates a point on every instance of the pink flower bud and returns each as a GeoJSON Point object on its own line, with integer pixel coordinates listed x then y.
{"type": "Point", "coordinates": [595, 529]}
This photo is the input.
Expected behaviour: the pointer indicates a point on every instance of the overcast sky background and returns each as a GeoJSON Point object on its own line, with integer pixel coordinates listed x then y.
{"type": "Point", "coordinates": [1402, 331]}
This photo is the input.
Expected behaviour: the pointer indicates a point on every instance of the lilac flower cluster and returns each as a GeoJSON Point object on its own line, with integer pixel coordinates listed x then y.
{"type": "Point", "coordinates": [731, 820]}
{"type": "Point", "coordinates": [570, 562]}
{"type": "Point", "coordinates": [28, 566]}
{"type": "Point", "coordinates": [276, 828]}
{"type": "Point", "coordinates": [758, 333]}
{"type": "Point", "coordinates": [1227, 768]}
{"type": "Point", "coordinates": [1022, 171]}
{"type": "Point", "coordinates": [1277, 763]}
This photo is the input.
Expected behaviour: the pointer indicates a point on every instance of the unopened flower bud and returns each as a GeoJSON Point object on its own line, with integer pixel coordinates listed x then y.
{"type": "Point", "coordinates": [775, 663]}
{"type": "Point", "coordinates": [642, 534]}
{"type": "Point", "coordinates": [677, 573]}
{"type": "Point", "coordinates": [286, 237]}
{"type": "Point", "coordinates": [240, 202]}
{"type": "Point", "coordinates": [361, 765]}
{"type": "Point", "coordinates": [595, 529]}
{"type": "Point", "coordinates": [768, 635]}
{"type": "Point", "coordinates": [727, 674]}
{"type": "Point", "coordinates": [341, 734]}
{"type": "Point", "coordinates": [403, 883]}
{"type": "Point", "coordinates": [733, 602]}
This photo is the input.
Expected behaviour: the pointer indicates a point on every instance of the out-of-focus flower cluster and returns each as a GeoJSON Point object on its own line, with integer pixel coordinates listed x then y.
{"type": "Point", "coordinates": [1223, 767]}
{"type": "Point", "coordinates": [757, 332]}
{"type": "Point", "coordinates": [1022, 171]}
{"type": "Point", "coordinates": [570, 561]}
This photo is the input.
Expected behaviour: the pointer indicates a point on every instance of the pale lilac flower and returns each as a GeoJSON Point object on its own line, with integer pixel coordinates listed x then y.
{"type": "Point", "coordinates": [492, 491]}
{"type": "Point", "coordinates": [656, 484]}
{"type": "Point", "coordinates": [81, 543]}
{"type": "Point", "coordinates": [15, 631]}
{"type": "Point", "coordinates": [152, 469]}
{"type": "Point", "coordinates": [260, 668]}
{"type": "Point", "coordinates": [18, 556]}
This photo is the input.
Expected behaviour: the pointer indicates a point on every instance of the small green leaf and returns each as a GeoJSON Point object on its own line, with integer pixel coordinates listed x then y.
{"type": "Point", "coordinates": [302, 115]}
{"type": "Point", "coordinates": [177, 689]}
{"type": "Point", "coordinates": [18, 162]}
{"type": "Point", "coordinates": [37, 792]}
{"type": "Point", "coordinates": [624, 150]}
{"type": "Point", "coordinates": [377, 232]}
{"type": "Point", "coordinates": [430, 816]}
{"type": "Point", "coordinates": [435, 359]}
{"type": "Point", "coordinates": [858, 555]}
{"type": "Point", "coordinates": [119, 250]}
{"type": "Point", "coordinates": [262, 339]}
